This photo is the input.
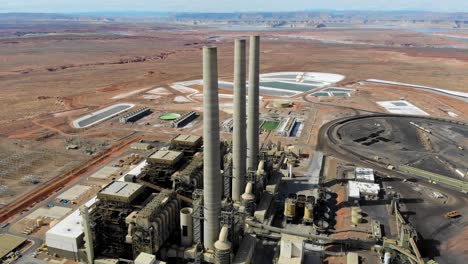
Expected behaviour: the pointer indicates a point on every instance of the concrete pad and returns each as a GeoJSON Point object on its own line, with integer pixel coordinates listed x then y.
{"type": "Point", "coordinates": [159, 91]}
{"type": "Point", "coordinates": [105, 172]}
{"type": "Point", "coordinates": [151, 97]}
{"type": "Point", "coordinates": [74, 193]}
{"type": "Point", "coordinates": [55, 212]}
{"type": "Point", "coordinates": [402, 107]}
{"type": "Point", "coordinates": [181, 99]}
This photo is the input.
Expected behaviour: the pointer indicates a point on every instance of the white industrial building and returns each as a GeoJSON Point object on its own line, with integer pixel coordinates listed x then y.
{"type": "Point", "coordinates": [66, 237]}
{"type": "Point", "coordinates": [145, 258]}
{"type": "Point", "coordinates": [358, 190]}
{"type": "Point", "coordinates": [364, 175]}
{"type": "Point", "coordinates": [291, 249]}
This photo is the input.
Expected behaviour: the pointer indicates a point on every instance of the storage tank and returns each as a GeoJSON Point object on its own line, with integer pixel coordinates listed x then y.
{"type": "Point", "coordinates": [186, 227]}
{"type": "Point", "coordinates": [290, 208]}
{"type": "Point", "coordinates": [356, 211]}
{"type": "Point", "coordinates": [39, 222]}
{"type": "Point", "coordinates": [308, 213]}
{"type": "Point", "coordinates": [356, 219]}
{"type": "Point", "coordinates": [387, 258]}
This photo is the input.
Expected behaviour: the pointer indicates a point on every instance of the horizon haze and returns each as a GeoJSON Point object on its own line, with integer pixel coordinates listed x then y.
{"type": "Point", "coordinates": [212, 6]}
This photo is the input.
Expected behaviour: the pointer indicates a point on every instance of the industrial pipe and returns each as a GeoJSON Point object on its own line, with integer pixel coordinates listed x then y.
{"type": "Point", "coordinates": [186, 226]}
{"type": "Point", "coordinates": [223, 247]}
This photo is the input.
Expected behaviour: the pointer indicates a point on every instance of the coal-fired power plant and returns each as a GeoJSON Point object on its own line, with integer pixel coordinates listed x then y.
{"type": "Point", "coordinates": [218, 146]}
{"type": "Point", "coordinates": [194, 199]}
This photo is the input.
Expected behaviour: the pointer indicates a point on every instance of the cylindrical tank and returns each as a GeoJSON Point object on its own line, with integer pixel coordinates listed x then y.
{"type": "Point", "coordinates": [387, 258]}
{"type": "Point", "coordinates": [356, 219]}
{"type": "Point", "coordinates": [290, 208]}
{"type": "Point", "coordinates": [39, 222]}
{"type": "Point", "coordinates": [308, 213]}
{"type": "Point", "coordinates": [355, 213]}
{"type": "Point", "coordinates": [223, 247]}
{"type": "Point", "coordinates": [186, 228]}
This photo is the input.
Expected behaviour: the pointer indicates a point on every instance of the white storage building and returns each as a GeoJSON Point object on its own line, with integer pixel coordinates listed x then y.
{"type": "Point", "coordinates": [365, 175]}
{"type": "Point", "coordinates": [357, 190]}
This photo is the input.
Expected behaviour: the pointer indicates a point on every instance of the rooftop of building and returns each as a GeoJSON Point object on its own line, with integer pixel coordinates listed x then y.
{"type": "Point", "coordinates": [365, 174]}
{"type": "Point", "coordinates": [187, 138]}
{"type": "Point", "coordinates": [356, 188]}
{"type": "Point", "coordinates": [9, 243]}
{"type": "Point", "coordinates": [141, 144]}
{"type": "Point", "coordinates": [145, 258]}
{"type": "Point", "coordinates": [70, 227]}
{"type": "Point", "coordinates": [167, 155]}
{"type": "Point", "coordinates": [121, 189]}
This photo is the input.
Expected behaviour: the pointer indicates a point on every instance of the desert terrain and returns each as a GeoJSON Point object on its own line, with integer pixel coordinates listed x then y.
{"type": "Point", "coordinates": [53, 72]}
{"type": "Point", "coordinates": [48, 80]}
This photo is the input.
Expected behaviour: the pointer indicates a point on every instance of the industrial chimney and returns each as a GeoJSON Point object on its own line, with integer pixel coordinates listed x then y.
{"type": "Point", "coordinates": [212, 185]}
{"type": "Point", "coordinates": [253, 103]}
{"type": "Point", "coordinates": [88, 237]}
{"type": "Point", "coordinates": [239, 122]}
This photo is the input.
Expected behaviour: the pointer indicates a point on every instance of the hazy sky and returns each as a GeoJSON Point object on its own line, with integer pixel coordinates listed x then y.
{"type": "Point", "coordinates": [227, 5]}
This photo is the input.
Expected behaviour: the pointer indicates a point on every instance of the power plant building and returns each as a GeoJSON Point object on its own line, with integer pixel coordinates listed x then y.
{"type": "Point", "coordinates": [141, 146]}
{"type": "Point", "coordinates": [187, 140]}
{"type": "Point", "coordinates": [364, 175]}
{"type": "Point", "coordinates": [66, 237]}
{"type": "Point", "coordinates": [135, 115]}
{"type": "Point", "coordinates": [145, 258]}
{"type": "Point", "coordinates": [166, 157]}
{"type": "Point", "coordinates": [358, 190]}
{"type": "Point", "coordinates": [173, 205]}
{"type": "Point", "coordinates": [184, 120]}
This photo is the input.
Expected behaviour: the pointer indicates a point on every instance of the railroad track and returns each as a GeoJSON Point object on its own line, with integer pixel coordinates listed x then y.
{"type": "Point", "coordinates": [330, 139]}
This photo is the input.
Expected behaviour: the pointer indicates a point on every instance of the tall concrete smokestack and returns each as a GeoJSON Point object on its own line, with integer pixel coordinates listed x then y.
{"type": "Point", "coordinates": [88, 237]}
{"type": "Point", "coordinates": [253, 108]}
{"type": "Point", "coordinates": [238, 139]}
{"type": "Point", "coordinates": [212, 186]}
